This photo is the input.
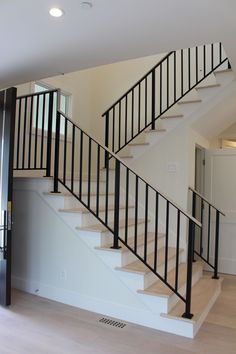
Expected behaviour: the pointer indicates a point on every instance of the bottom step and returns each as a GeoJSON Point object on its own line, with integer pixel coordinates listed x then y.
{"type": "Point", "coordinates": [204, 295]}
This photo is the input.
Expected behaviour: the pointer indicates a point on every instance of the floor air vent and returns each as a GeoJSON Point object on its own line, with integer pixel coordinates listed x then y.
{"type": "Point", "coordinates": [112, 323]}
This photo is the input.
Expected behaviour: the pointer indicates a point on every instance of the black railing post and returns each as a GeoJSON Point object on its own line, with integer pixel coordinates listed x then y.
{"type": "Point", "coordinates": [215, 276]}
{"type": "Point", "coordinates": [187, 313]}
{"type": "Point", "coordinates": [106, 138]}
{"type": "Point", "coordinates": [57, 150]}
{"type": "Point", "coordinates": [153, 98]}
{"type": "Point", "coordinates": [194, 215]}
{"type": "Point", "coordinates": [116, 206]}
{"type": "Point", "coordinates": [49, 137]}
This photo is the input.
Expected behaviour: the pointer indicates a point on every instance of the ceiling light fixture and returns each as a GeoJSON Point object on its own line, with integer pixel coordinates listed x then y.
{"type": "Point", "coordinates": [86, 5]}
{"type": "Point", "coordinates": [56, 12]}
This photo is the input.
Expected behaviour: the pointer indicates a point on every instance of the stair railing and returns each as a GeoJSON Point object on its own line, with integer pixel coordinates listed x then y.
{"type": "Point", "coordinates": [206, 240]}
{"type": "Point", "coordinates": [157, 91]}
{"type": "Point", "coordinates": [77, 168]}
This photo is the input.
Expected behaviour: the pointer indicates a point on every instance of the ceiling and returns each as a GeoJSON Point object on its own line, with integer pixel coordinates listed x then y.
{"type": "Point", "coordinates": [35, 45]}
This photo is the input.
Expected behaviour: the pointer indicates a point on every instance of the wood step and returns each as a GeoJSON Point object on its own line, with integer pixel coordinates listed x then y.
{"type": "Point", "coordinates": [126, 157]}
{"type": "Point", "coordinates": [155, 131]}
{"type": "Point", "coordinates": [103, 228]}
{"type": "Point", "coordinates": [130, 242]}
{"type": "Point", "coordinates": [140, 268]}
{"type": "Point", "coordinates": [223, 71]}
{"type": "Point", "coordinates": [172, 116]}
{"type": "Point", "coordinates": [204, 293]}
{"type": "Point", "coordinates": [138, 144]}
{"type": "Point", "coordinates": [68, 194]}
{"type": "Point", "coordinates": [207, 86]}
{"type": "Point", "coordinates": [84, 210]}
{"type": "Point", "coordinates": [159, 288]}
{"type": "Point", "coordinates": [190, 101]}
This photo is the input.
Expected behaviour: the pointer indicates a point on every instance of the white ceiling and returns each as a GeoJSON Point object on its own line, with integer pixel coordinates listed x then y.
{"type": "Point", "coordinates": [35, 45]}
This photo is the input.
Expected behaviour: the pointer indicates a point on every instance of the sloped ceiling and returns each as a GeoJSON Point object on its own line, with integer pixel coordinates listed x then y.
{"type": "Point", "coordinates": [34, 45]}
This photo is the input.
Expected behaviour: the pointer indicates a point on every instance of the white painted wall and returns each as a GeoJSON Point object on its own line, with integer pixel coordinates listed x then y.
{"type": "Point", "coordinates": [220, 189]}
{"type": "Point", "coordinates": [51, 260]}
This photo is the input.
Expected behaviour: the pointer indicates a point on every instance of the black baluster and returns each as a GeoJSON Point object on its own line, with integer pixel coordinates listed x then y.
{"type": "Point", "coordinates": [177, 251]}
{"type": "Point", "coordinates": [30, 131]}
{"type": "Point", "coordinates": [24, 133]}
{"type": "Point", "coordinates": [57, 153]}
{"type": "Point", "coordinates": [187, 313]}
{"type": "Point", "coordinates": [89, 170]}
{"type": "Point", "coordinates": [72, 158]}
{"type": "Point", "coordinates": [209, 233]}
{"type": "Point", "coordinates": [36, 133]}
{"type": "Point", "coordinates": [167, 240]}
{"type": "Point", "coordinates": [156, 231]}
{"type": "Point", "coordinates": [42, 132]}
{"type": "Point", "coordinates": [18, 135]}
{"type": "Point", "coordinates": [116, 205]}
{"type": "Point", "coordinates": [215, 276]}
{"type": "Point", "coordinates": [106, 138]}
{"type": "Point", "coordinates": [81, 164]}
{"type": "Point", "coordinates": [146, 224]}
{"type": "Point", "coordinates": [126, 204]}
{"type": "Point", "coordinates": [49, 138]}
{"type": "Point", "coordinates": [136, 215]}
{"type": "Point", "coordinates": [153, 98]}
{"type": "Point", "coordinates": [98, 179]}
{"type": "Point", "coordinates": [65, 152]}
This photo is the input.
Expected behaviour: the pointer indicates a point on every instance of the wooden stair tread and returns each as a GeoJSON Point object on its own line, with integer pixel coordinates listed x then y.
{"type": "Point", "coordinates": [126, 157]}
{"type": "Point", "coordinates": [159, 288]}
{"type": "Point", "coordinates": [139, 267]}
{"type": "Point", "coordinates": [172, 116]}
{"type": "Point", "coordinates": [190, 101]}
{"type": "Point", "coordinates": [202, 293]}
{"type": "Point", "coordinates": [222, 71]}
{"type": "Point", "coordinates": [68, 194]}
{"type": "Point", "coordinates": [130, 242]}
{"type": "Point", "coordinates": [103, 228]}
{"type": "Point", "coordinates": [154, 130]}
{"type": "Point", "coordinates": [84, 210]}
{"type": "Point", "coordinates": [207, 86]}
{"type": "Point", "coordinates": [137, 144]}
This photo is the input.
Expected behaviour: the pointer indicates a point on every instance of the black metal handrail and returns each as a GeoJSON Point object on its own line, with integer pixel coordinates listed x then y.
{"type": "Point", "coordinates": [207, 240]}
{"type": "Point", "coordinates": [70, 170]}
{"type": "Point", "coordinates": [159, 90]}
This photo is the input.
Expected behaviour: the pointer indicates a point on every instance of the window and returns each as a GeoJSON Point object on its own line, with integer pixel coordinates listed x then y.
{"type": "Point", "coordinates": [64, 107]}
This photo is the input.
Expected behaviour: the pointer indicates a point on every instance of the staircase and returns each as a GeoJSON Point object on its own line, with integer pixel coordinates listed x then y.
{"type": "Point", "coordinates": [146, 239]}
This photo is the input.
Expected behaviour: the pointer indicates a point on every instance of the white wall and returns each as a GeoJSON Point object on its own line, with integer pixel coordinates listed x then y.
{"type": "Point", "coordinates": [51, 260]}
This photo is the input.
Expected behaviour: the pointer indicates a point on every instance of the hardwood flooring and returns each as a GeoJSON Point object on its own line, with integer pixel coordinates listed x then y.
{"type": "Point", "coordinates": [33, 325]}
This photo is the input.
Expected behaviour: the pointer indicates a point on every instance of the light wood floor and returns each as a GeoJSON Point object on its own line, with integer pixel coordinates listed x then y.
{"type": "Point", "coordinates": [35, 325]}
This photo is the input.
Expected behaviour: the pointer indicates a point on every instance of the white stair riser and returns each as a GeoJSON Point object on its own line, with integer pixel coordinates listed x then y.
{"type": "Point", "coordinates": [89, 219]}
{"type": "Point", "coordinates": [85, 186]}
{"type": "Point", "coordinates": [72, 202]}
{"type": "Point", "coordinates": [223, 78]}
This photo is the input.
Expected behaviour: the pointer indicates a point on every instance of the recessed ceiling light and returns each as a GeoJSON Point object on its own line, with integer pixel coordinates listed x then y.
{"type": "Point", "coordinates": [56, 12]}
{"type": "Point", "coordinates": [86, 5]}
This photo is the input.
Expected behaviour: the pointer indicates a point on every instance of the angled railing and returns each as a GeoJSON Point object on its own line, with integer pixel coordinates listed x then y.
{"type": "Point", "coordinates": [206, 242]}
{"type": "Point", "coordinates": [159, 90]}
{"type": "Point", "coordinates": [84, 158]}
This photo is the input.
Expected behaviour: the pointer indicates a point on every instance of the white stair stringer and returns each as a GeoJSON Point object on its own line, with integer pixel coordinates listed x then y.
{"type": "Point", "coordinates": [157, 306]}
{"type": "Point", "coordinates": [195, 104]}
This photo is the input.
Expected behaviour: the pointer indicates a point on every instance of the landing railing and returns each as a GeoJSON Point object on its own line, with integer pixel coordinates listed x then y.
{"type": "Point", "coordinates": [35, 130]}
{"type": "Point", "coordinates": [157, 91]}
{"type": "Point", "coordinates": [206, 241]}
